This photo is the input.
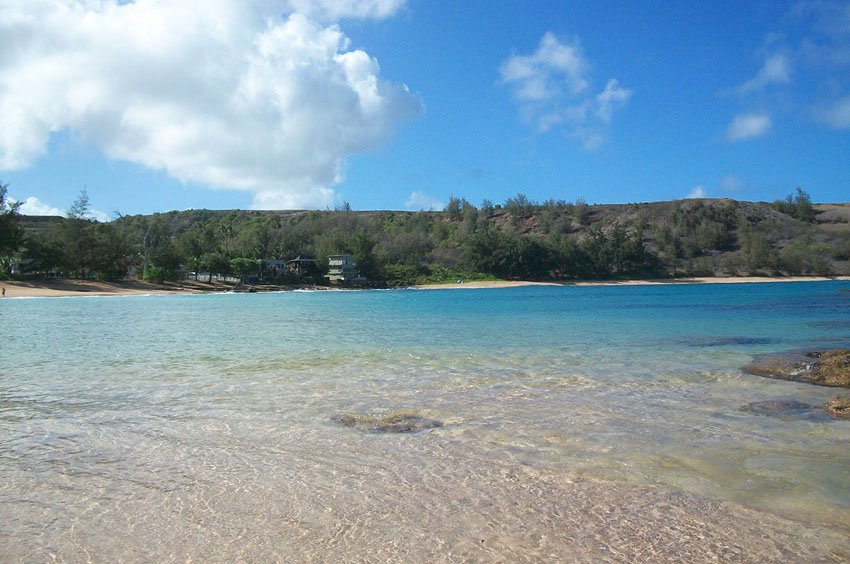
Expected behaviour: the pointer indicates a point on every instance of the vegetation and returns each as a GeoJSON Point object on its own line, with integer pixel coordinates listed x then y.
{"type": "Point", "coordinates": [11, 233]}
{"type": "Point", "coordinates": [521, 239]}
{"type": "Point", "coordinates": [797, 205]}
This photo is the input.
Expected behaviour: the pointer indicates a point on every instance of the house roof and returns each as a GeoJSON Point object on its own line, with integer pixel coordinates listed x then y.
{"type": "Point", "coordinates": [300, 259]}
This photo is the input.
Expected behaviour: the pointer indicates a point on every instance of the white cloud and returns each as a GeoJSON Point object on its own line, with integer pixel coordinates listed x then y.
{"type": "Point", "coordinates": [334, 10]}
{"type": "Point", "coordinates": [697, 192]}
{"type": "Point", "coordinates": [776, 70]}
{"type": "Point", "coordinates": [805, 72]}
{"type": "Point", "coordinates": [613, 97]}
{"type": "Point", "coordinates": [543, 75]}
{"type": "Point", "coordinates": [218, 92]}
{"type": "Point", "coordinates": [421, 201]}
{"type": "Point", "coordinates": [748, 126]}
{"type": "Point", "coordinates": [34, 206]}
{"type": "Point", "coordinates": [590, 138]}
{"type": "Point", "coordinates": [550, 87]}
{"type": "Point", "coordinates": [98, 215]}
{"type": "Point", "coordinates": [837, 115]}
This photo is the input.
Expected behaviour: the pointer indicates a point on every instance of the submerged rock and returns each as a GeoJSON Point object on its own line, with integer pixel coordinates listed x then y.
{"type": "Point", "coordinates": [826, 368]}
{"type": "Point", "coordinates": [392, 422]}
{"type": "Point", "coordinates": [839, 406]}
{"type": "Point", "coordinates": [776, 407]}
{"type": "Point", "coordinates": [789, 410]}
{"type": "Point", "coordinates": [709, 341]}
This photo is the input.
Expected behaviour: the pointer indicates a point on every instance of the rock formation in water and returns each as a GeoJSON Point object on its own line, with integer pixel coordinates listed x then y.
{"type": "Point", "coordinates": [393, 422]}
{"type": "Point", "coordinates": [826, 368]}
{"type": "Point", "coordinates": [776, 407]}
{"type": "Point", "coordinates": [839, 406]}
{"type": "Point", "coordinates": [788, 410]}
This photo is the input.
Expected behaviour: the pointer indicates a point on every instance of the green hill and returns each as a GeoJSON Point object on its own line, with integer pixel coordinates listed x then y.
{"type": "Point", "coordinates": [519, 239]}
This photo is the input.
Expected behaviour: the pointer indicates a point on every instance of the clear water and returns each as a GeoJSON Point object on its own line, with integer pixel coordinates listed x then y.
{"type": "Point", "coordinates": [579, 424]}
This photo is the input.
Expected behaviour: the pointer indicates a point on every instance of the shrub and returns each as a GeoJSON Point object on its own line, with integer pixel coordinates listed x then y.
{"type": "Point", "coordinates": [155, 274]}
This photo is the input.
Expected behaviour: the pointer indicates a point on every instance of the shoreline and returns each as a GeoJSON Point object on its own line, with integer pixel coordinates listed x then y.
{"type": "Point", "coordinates": [70, 288]}
{"type": "Point", "coordinates": [82, 288]}
{"type": "Point", "coordinates": [646, 282]}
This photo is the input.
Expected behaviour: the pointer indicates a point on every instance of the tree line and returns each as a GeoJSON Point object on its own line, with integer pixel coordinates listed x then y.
{"type": "Point", "coordinates": [519, 239]}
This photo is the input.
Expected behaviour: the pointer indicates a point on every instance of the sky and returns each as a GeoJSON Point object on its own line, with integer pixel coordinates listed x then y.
{"type": "Point", "coordinates": [158, 105]}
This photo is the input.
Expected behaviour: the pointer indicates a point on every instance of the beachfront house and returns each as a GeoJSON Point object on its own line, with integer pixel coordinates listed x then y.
{"type": "Point", "coordinates": [300, 266]}
{"type": "Point", "coordinates": [275, 266]}
{"type": "Point", "coordinates": [343, 270]}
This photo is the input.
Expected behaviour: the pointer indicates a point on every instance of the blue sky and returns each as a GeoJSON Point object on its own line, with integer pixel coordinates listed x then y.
{"type": "Point", "coordinates": [157, 105]}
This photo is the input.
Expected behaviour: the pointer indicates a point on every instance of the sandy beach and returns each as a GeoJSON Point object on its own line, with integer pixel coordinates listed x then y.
{"type": "Point", "coordinates": [65, 288]}
{"type": "Point", "coordinates": [68, 288]}
{"type": "Point", "coordinates": [695, 280]}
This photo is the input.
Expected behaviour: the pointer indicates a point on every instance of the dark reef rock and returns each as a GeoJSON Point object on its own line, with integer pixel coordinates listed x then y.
{"type": "Point", "coordinates": [787, 410]}
{"type": "Point", "coordinates": [393, 422]}
{"type": "Point", "coordinates": [709, 341]}
{"type": "Point", "coordinates": [839, 406]}
{"type": "Point", "coordinates": [826, 368]}
{"type": "Point", "coordinates": [797, 410]}
{"type": "Point", "coordinates": [776, 407]}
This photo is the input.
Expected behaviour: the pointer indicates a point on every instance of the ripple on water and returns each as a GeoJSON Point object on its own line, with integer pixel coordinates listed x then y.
{"type": "Point", "coordinates": [196, 440]}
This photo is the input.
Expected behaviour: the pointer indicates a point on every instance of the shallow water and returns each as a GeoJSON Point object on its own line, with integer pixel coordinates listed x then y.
{"type": "Point", "coordinates": [577, 424]}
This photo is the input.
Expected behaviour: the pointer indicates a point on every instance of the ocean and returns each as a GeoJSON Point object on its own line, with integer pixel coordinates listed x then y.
{"type": "Point", "coordinates": [593, 423]}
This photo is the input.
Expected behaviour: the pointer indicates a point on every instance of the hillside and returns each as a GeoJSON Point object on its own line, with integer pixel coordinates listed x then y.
{"type": "Point", "coordinates": [520, 239]}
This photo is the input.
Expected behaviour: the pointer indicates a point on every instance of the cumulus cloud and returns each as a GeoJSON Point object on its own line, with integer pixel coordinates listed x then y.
{"type": "Point", "coordinates": [421, 201]}
{"type": "Point", "coordinates": [334, 10]}
{"type": "Point", "coordinates": [776, 70]}
{"type": "Point", "coordinates": [217, 92]}
{"type": "Point", "coordinates": [748, 126]}
{"type": "Point", "coordinates": [34, 206]}
{"type": "Point", "coordinates": [551, 88]}
{"type": "Point", "coordinates": [98, 215]}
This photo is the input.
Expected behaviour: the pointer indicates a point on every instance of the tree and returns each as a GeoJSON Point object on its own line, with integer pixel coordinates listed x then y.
{"type": "Point", "coordinates": [78, 237]}
{"type": "Point", "coordinates": [214, 263]}
{"type": "Point", "coordinates": [487, 207]}
{"type": "Point", "coordinates": [519, 206]}
{"type": "Point", "coordinates": [11, 233]}
{"type": "Point", "coordinates": [80, 208]}
{"type": "Point", "coordinates": [509, 254]}
{"type": "Point", "coordinates": [454, 208]}
{"type": "Point", "coordinates": [798, 205]}
{"type": "Point", "coordinates": [581, 212]}
{"type": "Point", "coordinates": [244, 267]}
{"type": "Point", "coordinates": [111, 252]}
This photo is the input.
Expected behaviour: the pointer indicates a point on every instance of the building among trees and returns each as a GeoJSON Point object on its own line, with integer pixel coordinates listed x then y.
{"type": "Point", "coordinates": [300, 266]}
{"type": "Point", "coordinates": [343, 270]}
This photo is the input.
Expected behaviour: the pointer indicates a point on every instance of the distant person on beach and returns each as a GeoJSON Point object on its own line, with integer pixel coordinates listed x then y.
{"type": "Point", "coordinates": [4, 291]}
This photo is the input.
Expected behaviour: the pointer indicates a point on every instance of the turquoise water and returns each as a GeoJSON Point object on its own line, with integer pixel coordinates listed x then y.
{"type": "Point", "coordinates": [577, 423]}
